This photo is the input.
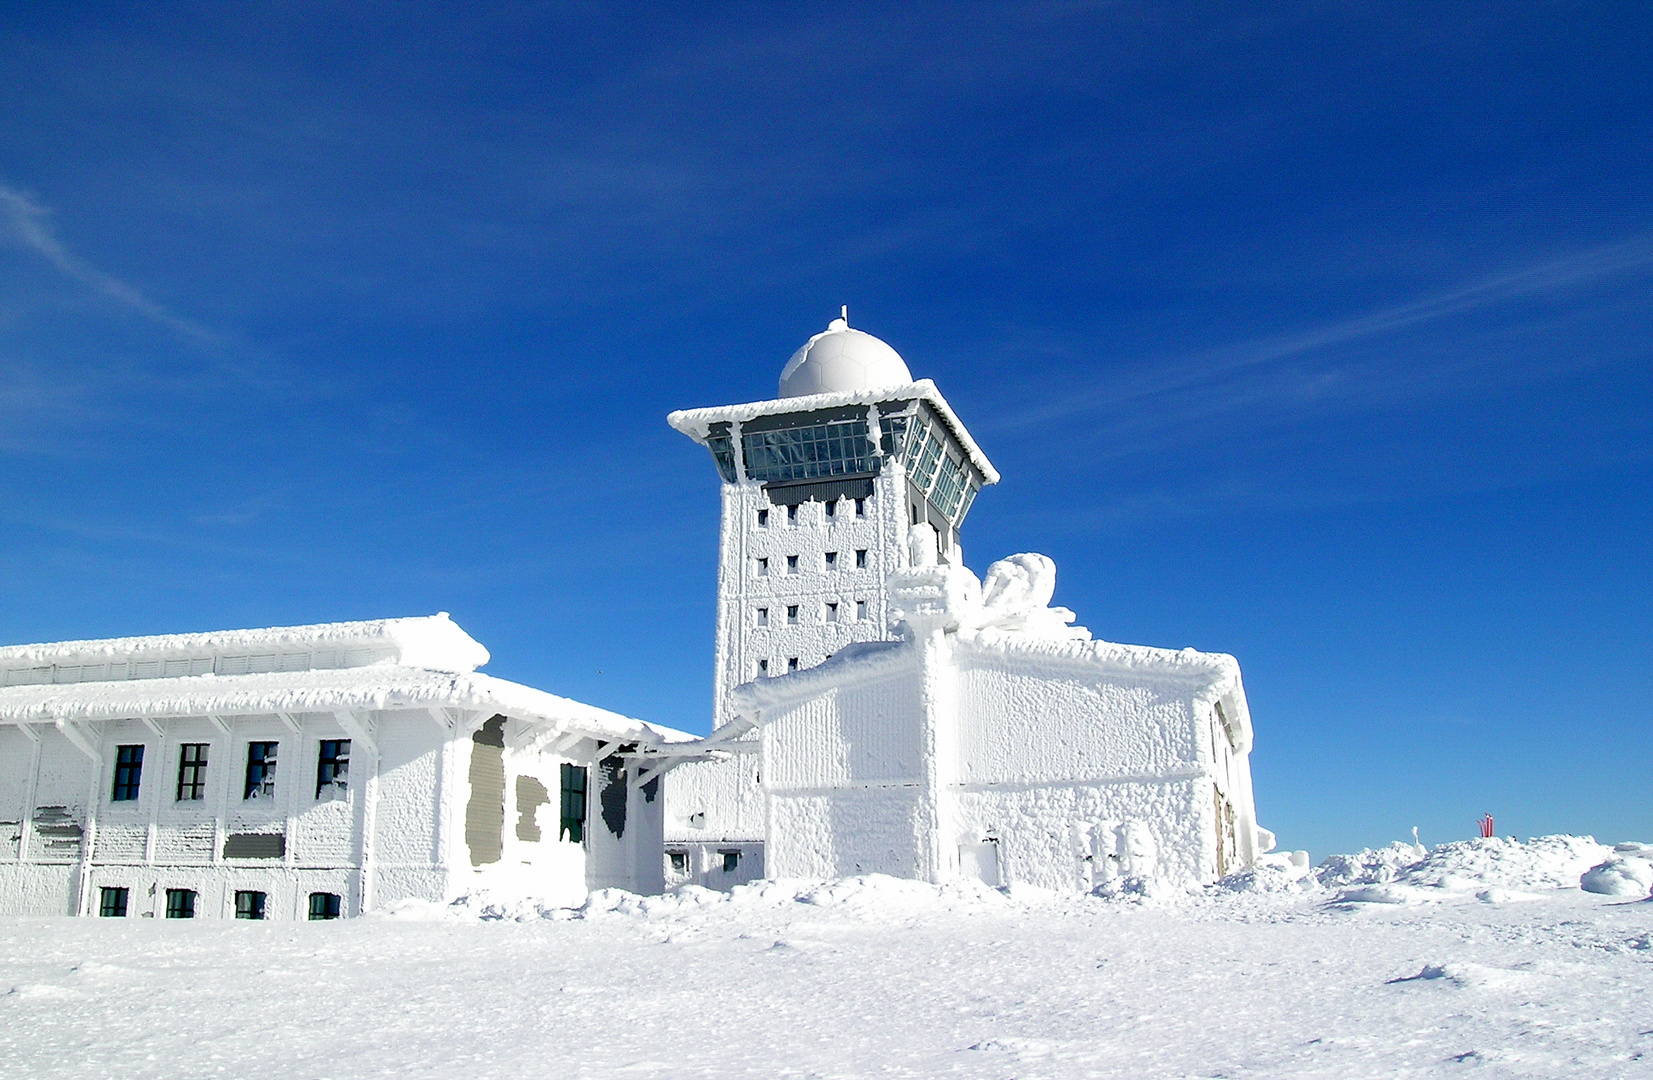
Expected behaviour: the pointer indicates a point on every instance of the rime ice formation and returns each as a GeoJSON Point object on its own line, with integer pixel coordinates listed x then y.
{"type": "Point", "coordinates": [308, 770]}
{"type": "Point", "coordinates": [886, 711]}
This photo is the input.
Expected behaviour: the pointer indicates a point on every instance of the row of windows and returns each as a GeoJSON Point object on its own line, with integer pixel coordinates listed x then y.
{"type": "Point", "coordinates": [332, 770]}
{"type": "Point", "coordinates": [829, 512]}
{"type": "Point", "coordinates": [830, 612]}
{"type": "Point", "coordinates": [180, 903]}
{"type": "Point", "coordinates": [829, 562]}
{"type": "Point", "coordinates": [792, 663]}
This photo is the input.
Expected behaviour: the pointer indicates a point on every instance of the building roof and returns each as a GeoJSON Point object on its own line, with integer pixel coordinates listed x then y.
{"type": "Point", "coordinates": [415, 663]}
{"type": "Point", "coordinates": [695, 422]}
{"type": "Point", "coordinates": [372, 688]}
{"type": "Point", "coordinates": [1056, 657]}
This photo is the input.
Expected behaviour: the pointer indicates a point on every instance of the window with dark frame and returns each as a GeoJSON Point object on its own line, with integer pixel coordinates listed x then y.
{"type": "Point", "coordinates": [763, 616]}
{"type": "Point", "coordinates": [832, 612]}
{"type": "Point", "coordinates": [792, 614]}
{"type": "Point", "coordinates": [831, 509]}
{"type": "Point", "coordinates": [763, 518]}
{"type": "Point", "coordinates": [128, 772]}
{"type": "Point", "coordinates": [860, 508]}
{"type": "Point", "coordinates": [180, 903]}
{"type": "Point", "coordinates": [261, 770]}
{"type": "Point", "coordinates": [679, 861]}
{"type": "Point", "coordinates": [860, 609]}
{"type": "Point", "coordinates": [333, 766]}
{"type": "Point", "coordinates": [832, 560]}
{"type": "Point", "coordinates": [249, 904]}
{"type": "Point", "coordinates": [731, 861]}
{"type": "Point", "coordinates": [861, 558]}
{"type": "Point", "coordinates": [792, 663]}
{"type": "Point", "coordinates": [192, 771]}
{"type": "Point", "coordinates": [325, 905]}
{"type": "Point", "coordinates": [574, 779]}
{"type": "Point", "coordinates": [792, 564]}
{"type": "Point", "coordinates": [763, 568]}
{"type": "Point", "coordinates": [112, 901]}
{"type": "Point", "coordinates": [763, 667]}
{"type": "Point", "coordinates": [792, 514]}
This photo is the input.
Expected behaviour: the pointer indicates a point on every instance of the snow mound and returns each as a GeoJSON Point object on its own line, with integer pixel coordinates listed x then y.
{"type": "Point", "coordinates": [1627, 872]}
{"type": "Point", "coordinates": [1495, 869]}
{"type": "Point", "coordinates": [1370, 866]}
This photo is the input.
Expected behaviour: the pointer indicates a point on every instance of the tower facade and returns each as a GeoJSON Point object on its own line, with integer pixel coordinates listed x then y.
{"type": "Point", "coordinates": [821, 486]}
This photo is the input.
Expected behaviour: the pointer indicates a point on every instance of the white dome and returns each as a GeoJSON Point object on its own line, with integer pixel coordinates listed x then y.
{"type": "Point", "coordinates": [841, 359]}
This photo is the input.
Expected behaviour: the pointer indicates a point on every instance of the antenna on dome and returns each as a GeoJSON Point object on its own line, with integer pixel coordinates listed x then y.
{"type": "Point", "coordinates": [843, 313]}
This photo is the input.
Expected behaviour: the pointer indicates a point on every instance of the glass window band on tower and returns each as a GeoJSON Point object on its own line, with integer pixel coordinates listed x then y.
{"type": "Point", "coordinates": [810, 451]}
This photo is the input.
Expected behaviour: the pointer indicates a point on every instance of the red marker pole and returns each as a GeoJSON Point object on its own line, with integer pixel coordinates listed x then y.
{"type": "Point", "coordinates": [1486, 826]}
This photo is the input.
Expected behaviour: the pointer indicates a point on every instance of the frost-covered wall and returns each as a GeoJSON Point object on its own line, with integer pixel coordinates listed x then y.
{"type": "Point", "coordinates": [996, 741]}
{"type": "Point", "coordinates": [283, 785]}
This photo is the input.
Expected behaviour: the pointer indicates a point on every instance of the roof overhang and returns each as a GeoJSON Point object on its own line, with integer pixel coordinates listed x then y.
{"type": "Point", "coordinates": [695, 422]}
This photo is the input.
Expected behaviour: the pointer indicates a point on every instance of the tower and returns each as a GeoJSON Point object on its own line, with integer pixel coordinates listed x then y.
{"type": "Point", "coordinates": [821, 486]}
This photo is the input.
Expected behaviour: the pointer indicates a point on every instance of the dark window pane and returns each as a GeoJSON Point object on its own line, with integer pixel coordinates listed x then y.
{"type": "Point", "coordinates": [324, 905]}
{"type": "Point", "coordinates": [112, 903]}
{"type": "Point", "coordinates": [249, 904]}
{"type": "Point", "coordinates": [192, 771]}
{"type": "Point", "coordinates": [573, 803]}
{"type": "Point", "coordinates": [180, 903]}
{"type": "Point", "coordinates": [261, 770]}
{"type": "Point", "coordinates": [333, 766]}
{"type": "Point", "coordinates": [838, 448]}
{"type": "Point", "coordinates": [128, 772]}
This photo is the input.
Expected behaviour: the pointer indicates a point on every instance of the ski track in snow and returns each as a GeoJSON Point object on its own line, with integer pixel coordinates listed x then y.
{"type": "Point", "coordinates": [862, 978]}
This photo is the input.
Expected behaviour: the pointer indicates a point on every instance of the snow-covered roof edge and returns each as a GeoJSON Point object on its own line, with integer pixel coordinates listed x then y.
{"type": "Point", "coordinates": [695, 422]}
{"type": "Point", "coordinates": [868, 660]}
{"type": "Point", "coordinates": [378, 688]}
{"type": "Point", "coordinates": [427, 641]}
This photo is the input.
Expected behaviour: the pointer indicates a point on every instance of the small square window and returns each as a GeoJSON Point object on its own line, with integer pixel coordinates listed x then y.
{"type": "Point", "coordinates": [112, 902]}
{"type": "Point", "coordinates": [763, 616]}
{"type": "Point", "coordinates": [832, 613]}
{"type": "Point", "coordinates": [763, 568]}
{"type": "Point", "coordinates": [792, 514]}
{"type": "Point", "coordinates": [731, 861]}
{"type": "Point", "coordinates": [860, 609]}
{"type": "Point", "coordinates": [832, 560]}
{"type": "Point", "coordinates": [128, 772]}
{"type": "Point", "coordinates": [861, 559]}
{"type": "Point", "coordinates": [192, 772]}
{"type": "Point", "coordinates": [325, 905]}
{"type": "Point", "coordinates": [679, 861]}
{"type": "Point", "coordinates": [180, 903]}
{"type": "Point", "coordinates": [792, 663]}
{"type": "Point", "coordinates": [792, 614]}
{"type": "Point", "coordinates": [763, 518]}
{"type": "Point", "coordinates": [249, 904]}
{"type": "Point", "coordinates": [860, 508]}
{"type": "Point", "coordinates": [333, 766]}
{"type": "Point", "coordinates": [763, 667]}
{"type": "Point", "coordinates": [792, 564]}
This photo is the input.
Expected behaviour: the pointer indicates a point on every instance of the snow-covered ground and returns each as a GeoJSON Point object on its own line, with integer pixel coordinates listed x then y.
{"type": "Point", "coordinates": [1483, 958]}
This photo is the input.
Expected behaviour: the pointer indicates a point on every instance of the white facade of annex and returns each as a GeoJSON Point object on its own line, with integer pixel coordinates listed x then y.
{"type": "Point", "coordinates": [365, 762]}
{"type": "Point", "coordinates": [995, 742]}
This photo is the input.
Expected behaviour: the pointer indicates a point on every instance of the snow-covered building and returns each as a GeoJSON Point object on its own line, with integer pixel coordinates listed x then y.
{"type": "Point", "coordinates": [886, 712]}
{"type": "Point", "coordinates": [309, 771]}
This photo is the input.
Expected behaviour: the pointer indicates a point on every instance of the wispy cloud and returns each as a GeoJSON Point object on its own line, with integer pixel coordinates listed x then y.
{"type": "Point", "coordinates": [27, 224]}
{"type": "Point", "coordinates": [1244, 375]}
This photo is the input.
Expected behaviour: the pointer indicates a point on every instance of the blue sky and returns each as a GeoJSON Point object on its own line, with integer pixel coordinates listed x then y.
{"type": "Point", "coordinates": [1317, 334]}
